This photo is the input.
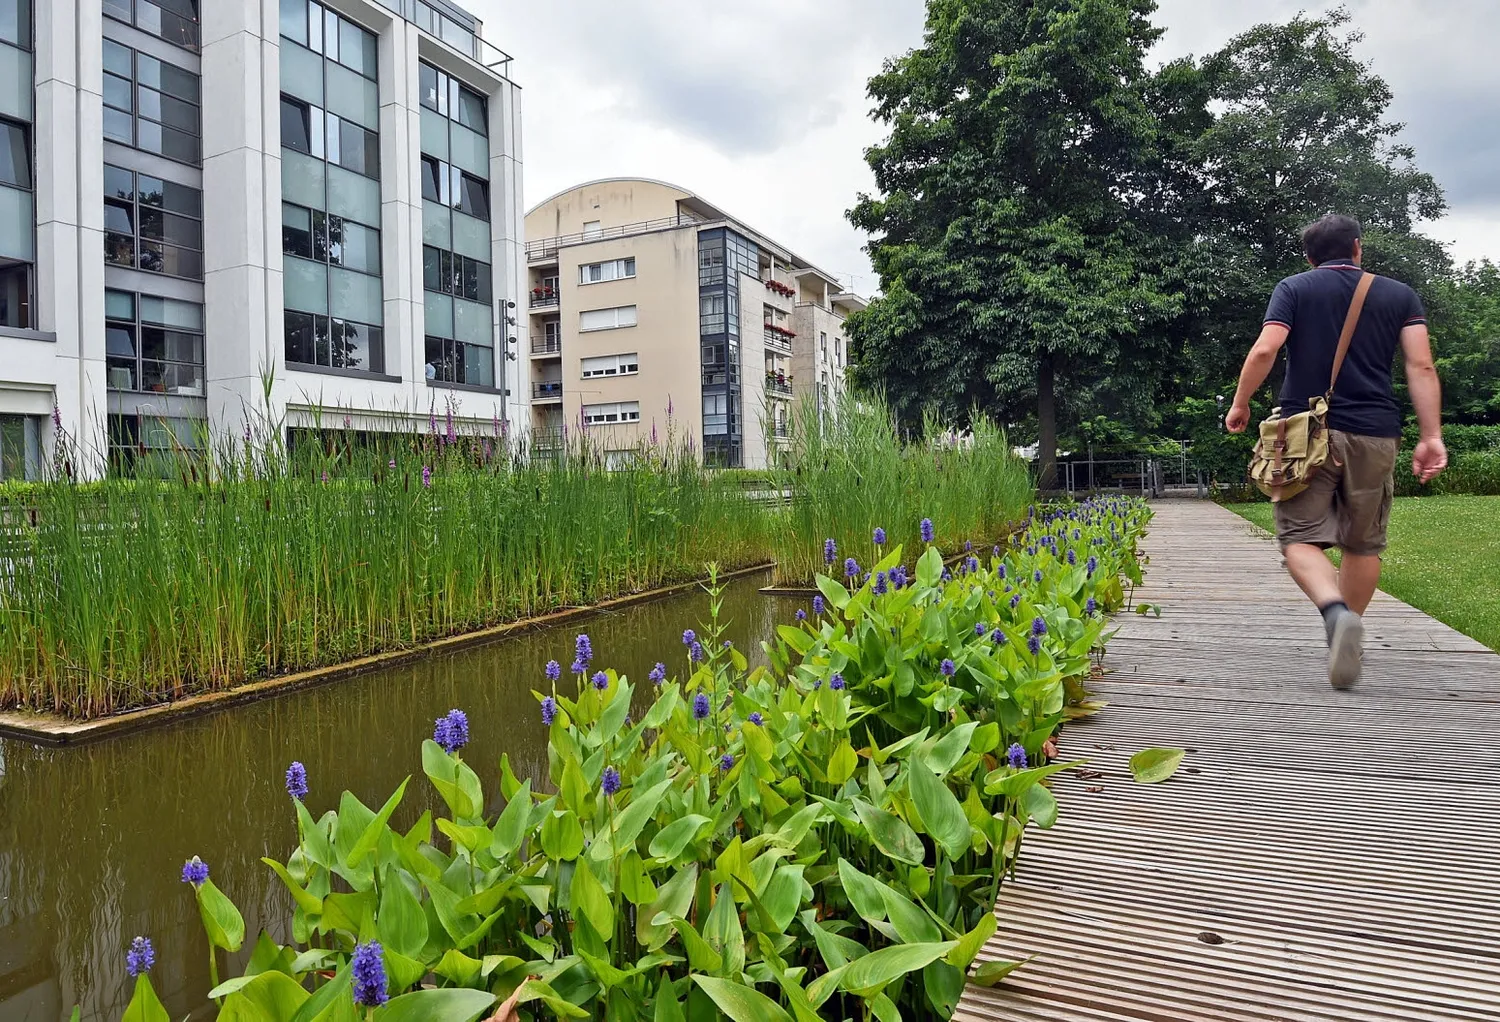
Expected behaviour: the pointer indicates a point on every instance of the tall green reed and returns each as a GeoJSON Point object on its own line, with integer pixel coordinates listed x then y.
{"type": "Point", "coordinates": [850, 473]}
{"type": "Point", "coordinates": [258, 558]}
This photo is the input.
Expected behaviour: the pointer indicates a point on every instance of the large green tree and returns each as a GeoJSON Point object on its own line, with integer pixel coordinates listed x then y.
{"type": "Point", "coordinates": [1017, 232]}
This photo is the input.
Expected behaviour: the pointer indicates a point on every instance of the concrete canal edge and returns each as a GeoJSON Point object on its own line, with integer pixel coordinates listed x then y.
{"type": "Point", "coordinates": [50, 729]}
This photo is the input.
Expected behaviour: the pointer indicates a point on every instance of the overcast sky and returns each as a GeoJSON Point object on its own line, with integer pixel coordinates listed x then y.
{"type": "Point", "coordinates": [759, 105]}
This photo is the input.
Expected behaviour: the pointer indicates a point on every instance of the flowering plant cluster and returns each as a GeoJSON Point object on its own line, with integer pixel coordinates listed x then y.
{"type": "Point", "coordinates": [822, 837]}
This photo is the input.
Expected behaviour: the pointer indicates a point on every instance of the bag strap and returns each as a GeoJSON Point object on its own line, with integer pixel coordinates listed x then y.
{"type": "Point", "coordinates": [1350, 322]}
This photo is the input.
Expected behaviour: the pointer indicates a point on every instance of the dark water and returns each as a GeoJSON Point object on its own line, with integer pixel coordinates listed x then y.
{"type": "Point", "coordinates": [92, 839]}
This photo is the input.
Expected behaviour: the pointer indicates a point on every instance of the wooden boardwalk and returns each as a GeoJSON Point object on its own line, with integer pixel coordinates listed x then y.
{"type": "Point", "coordinates": [1321, 855]}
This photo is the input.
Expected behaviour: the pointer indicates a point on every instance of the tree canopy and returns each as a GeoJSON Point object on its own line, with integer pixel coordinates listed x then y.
{"type": "Point", "coordinates": [1063, 234]}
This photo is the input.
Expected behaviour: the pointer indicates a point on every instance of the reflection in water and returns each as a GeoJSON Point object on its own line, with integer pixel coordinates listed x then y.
{"type": "Point", "coordinates": [92, 839]}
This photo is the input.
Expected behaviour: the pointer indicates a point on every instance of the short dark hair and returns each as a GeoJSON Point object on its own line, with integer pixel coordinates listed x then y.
{"type": "Point", "coordinates": [1330, 237]}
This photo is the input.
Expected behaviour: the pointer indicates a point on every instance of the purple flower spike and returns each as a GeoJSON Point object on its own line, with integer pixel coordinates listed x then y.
{"type": "Point", "coordinates": [695, 652]}
{"type": "Point", "coordinates": [451, 731]}
{"type": "Point", "coordinates": [700, 706]}
{"type": "Point", "coordinates": [610, 782]}
{"type": "Point", "coordinates": [658, 674]}
{"type": "Point", "coordinates": [601, 681]}
{"type": "Point", "coordinates": [296, 781]}
{"type": "Point", "coordinates": [851, 567]}
{"type": "Point", "coordinates": [830, 551]}
{"type": "Point", "coordinates": [979, 628]}
{"type": "Point", "coordinates": [726, 762]}
{"type": "Point", "coordinates": [370, 981]}
{"type": "Point", "coordinates": [756, 719]}
{"type": "Point", "coordinates": [927, 530]}
{"type": "Point", "coordinates": [836, 682]}
{"type": "Point", "coordinates": [140, 957]}
{"type": "Point", "coordinates": [948, 668]}
{"type": "Point", "coordinates": [880, 537]}
{"type": "Point", "coordinates": [801, 615]}
{"type": "Point", "coordinates": [195, 872]}
{"type": "Point", "coordinates": [1038, 627]}
{"type": "Point", "coordinates": [549, 710]}
{"type": "Point", "coordinates": [689, 637]}
{"type": "Point", "coordinates": [818, 605]}
{"type": "Point", "coordinates": [1016, 757]}
{"type": "Point", "coordinates": [553, 670]}
{"type": "Point", "coordinates": [1034, 643]}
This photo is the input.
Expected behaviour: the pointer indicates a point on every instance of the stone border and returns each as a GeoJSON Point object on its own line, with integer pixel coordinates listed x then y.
{"type": "Point", "coordinates": [52, 730]}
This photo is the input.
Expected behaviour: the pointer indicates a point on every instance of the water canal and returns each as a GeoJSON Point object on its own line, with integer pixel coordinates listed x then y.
{"type": "Point", "coordinates": [92, 838]}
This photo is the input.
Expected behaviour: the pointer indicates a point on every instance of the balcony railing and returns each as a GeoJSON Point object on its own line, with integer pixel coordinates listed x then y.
{"type": "Point", "coordinates": [779, 338]}
{"type": "Point", "coordinates": [544, 298]}
{"type": "Point", "coordinates": [780, 432]}
{"type": "Point", "coordinates": [543, 247]}
{"type": "Point", "coordinates": [547, 389]}
{"type": "Point", "coordinates": [547, 438]}
{"type": "Point", "coordinates": [782, 388]}
{"type": "Point", "coordinates": [546, 345]}
{"type": "Point", "coordinates": [451, 34]}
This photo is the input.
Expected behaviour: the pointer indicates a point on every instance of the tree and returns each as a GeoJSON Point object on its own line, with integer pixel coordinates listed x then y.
{"type": "Point", "coordinates": [1014, 230]}
{"type": "Point", "coordinates": [1466, 332]}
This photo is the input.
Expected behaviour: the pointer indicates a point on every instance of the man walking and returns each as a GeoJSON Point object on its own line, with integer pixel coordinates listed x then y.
{"type": "Point", "coordinates": [1348, 500]}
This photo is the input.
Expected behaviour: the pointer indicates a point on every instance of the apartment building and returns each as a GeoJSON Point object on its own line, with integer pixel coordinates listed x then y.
{"type": "Point", "coordinates": [279, 208]}
{"type": "Point", "coordinates": [652, 310]}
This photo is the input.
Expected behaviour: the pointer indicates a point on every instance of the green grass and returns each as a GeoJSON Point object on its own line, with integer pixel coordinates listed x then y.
{"type": "Point", "coordinates": [1444, 557]}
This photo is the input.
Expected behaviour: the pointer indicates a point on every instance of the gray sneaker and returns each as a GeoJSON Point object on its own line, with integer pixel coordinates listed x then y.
{"type": "Point", "coordinates": [1345, 649]}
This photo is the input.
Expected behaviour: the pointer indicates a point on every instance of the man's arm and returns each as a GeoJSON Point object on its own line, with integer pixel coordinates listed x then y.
{"type": "Point", "coordinates": [1258, 365]}
{"type": "Point", "coordinates": [1430, 457]}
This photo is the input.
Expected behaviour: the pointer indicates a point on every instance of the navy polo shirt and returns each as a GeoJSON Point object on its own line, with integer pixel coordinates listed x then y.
{"type": "Point", "coordinates": [1313, 306]}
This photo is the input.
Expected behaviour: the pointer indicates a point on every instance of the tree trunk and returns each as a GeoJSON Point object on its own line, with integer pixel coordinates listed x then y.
{"type": "Point", "coordinates": [1046, 417]}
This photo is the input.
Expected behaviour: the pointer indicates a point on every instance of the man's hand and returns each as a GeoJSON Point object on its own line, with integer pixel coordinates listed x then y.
{"type": "Point", "coordinates": [1430, 458]}
{"type": "Point", "coordinates": [1237, 419]}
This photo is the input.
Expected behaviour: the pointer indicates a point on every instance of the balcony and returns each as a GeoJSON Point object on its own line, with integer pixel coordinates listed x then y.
{"type": "Point", "coordinates": [547, 390]}
{"type": "Point", "coordinates": [545, 298]}
{"type": "Point", "coordinates": [546, 345]}
{"type": "Point", "coordinates": [778, 386]}
{"type": "Point", "coordinates": [546, 248]}
{"type": "Point", "coordinates": [779, 338]}
{"type": "Point", "coordinates": [547, 438]}
{"type": "Point", "coordinates": [780, 431]}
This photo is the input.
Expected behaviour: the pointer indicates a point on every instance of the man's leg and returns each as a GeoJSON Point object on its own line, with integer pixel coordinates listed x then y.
{"type": "Point", "coordinates": [1359, 577]}
{"type": "Point", "coordinates": [1315, 573]}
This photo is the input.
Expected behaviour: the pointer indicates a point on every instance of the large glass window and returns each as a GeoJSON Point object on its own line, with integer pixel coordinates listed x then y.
{"type": "Point", "coordinates": [153, 344]}
{"type": "Point", "coordinates": [324, 31]}
{"type": "Point", "coordinates": [153, 445]}
{"type": "Point", "coordinates": [444, 94]}
{"type": "Point", "coordinates": [176, 21]}
{"type": "Point", "coordinates": [613, 269]}
{"type": "Point", "coordinates": [452, 274]}
{"type": "Point", "coordinates": [151, 104]}
{"type": "Point", "coordinates": [453, 361]}
{"type": "Point", "coordinates": [15, 23]}
{"type": "Point", "coordinates": [20, 439]}
{"type": "Point", "coordinates": [336, 343]}
{"type": "Point", "coordinates": [152, 224]}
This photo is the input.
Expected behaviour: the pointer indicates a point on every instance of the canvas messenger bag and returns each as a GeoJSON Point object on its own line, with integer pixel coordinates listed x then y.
{"type": "Point", "coordinates": [1291, 449]}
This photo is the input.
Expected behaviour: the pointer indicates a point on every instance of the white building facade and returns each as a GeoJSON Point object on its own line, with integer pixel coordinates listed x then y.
{"type": "Point", "coordinates": [279, 212]}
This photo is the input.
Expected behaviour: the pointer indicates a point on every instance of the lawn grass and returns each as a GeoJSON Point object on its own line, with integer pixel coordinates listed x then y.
{"type": "Point", "coordinates": [1444, 557]}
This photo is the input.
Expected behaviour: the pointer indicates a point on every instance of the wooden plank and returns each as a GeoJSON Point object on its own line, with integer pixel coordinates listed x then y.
{"type": "Point", "coordinates": [1335, 848]}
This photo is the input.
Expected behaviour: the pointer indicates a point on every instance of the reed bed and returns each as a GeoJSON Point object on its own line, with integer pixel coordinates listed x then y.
{"type": "Point", "coordinates": [852, 473]}
{"type": "Point", "coordinates": [259, 561]}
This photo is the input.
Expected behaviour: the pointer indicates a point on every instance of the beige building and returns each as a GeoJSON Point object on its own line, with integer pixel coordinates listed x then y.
{"type": "Point", "coordinates": [653, 312]}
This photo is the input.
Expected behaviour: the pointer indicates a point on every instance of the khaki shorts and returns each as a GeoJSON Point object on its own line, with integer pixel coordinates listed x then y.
{"type": "Point", "coordinates": [1348, 502]}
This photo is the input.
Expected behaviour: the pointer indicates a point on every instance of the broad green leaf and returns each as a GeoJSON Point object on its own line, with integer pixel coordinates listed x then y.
{"type": "Point", "coordinates": [615, 713]}
{"type": "Point", "coordinates": [950, 748]}
{"type": "Point", "coordinates": [455, 782]}
{"type": "Point", "coordinates": [929, 567]}
{"type": "Point", "coordinates": [574, 789]}
{"type": "Point", "coordinates": [144, 1005]}
{"type": "Point", "coordinates": [404, 972]}
{"type": "Point", "coordinates": [670, 841]}
{"type": "Point", "coordinates": [629, 823]}
{"type": "Point", "coordinates": [314, 841]}
{"type": "Point", "coordinates": [912, 924]}
{"type": "Point", "coordinates": [878, 968]}
{"type": "Point", "coordinates": [668, 1008]}
{"type": "Point", "coordinates": [314, 958]}
{"type": "Point", "coordinates": [401, 923]}
{"type": "Point", "coordinates": [835, 949]}
{"type": "Point", "coordinates": [890, 833]}
{"type": "Point", "coordinates": [511, 827]}
{"type": "Point", "coordinates": [739, 1002]}
{"type": "Point", "coordinates": [833, 592]}
{"type": "Point", "coordinates": [634, 882]}
{"type": "Point", "coordinates": [309, 903]}
{"type": "Point", "coordinates": [353, 817]}
{"type": "Point", "coordinates": [539, 990]}
{"type": "Point", "coordinates": [940, 811]}
{"type": "Point", "coordinates": [471, 838]}
{"type": "Point", "coordinates": [673, 898]}
{"type": "Point", "coordinates": [783, 896]}
{"type": "Point", "coordinates": [589, 898]}
{"type": "Point", "coordinates": [990, 973]}
{"type": "Point", "coordinates": [1152, 766]}
{"type": "Point", "coordinates": [458, 968]}
{"type": "Point", "coordinates": [944, 986]}
{"type": "Point", "coordinates": [825, 986]}
{"type": "Point", "coordinates": [842, 763]}
{"type": "Point", "coordinates": [795, 829]}
{"type": "Point", "coordinates": [221, 920]}
{"type": "Point", "coordinates": [863, 891]}
{"type": "Point", "coordinates": [371, 836]}
{"type": "Point", "coordinates": [1003, 782]}
{"type": "Point", "coordinates": [701, 955]}
{"type": "Point", "coordinates": [446, 1005]}
{"type": "Point", "coordinates": [562, 835]}
{"type": "Point", "coordinates": [270, 995]}
{"type": "Point", "coordinates": [969, 944]}
{"type": "Point", "coordinates": [321, 1005]}
{"type": "Point", "coordinates": [722, 930]}
{"type": "Point", "coordinates": [1041, 805]}
{"type": "Point", "coordinates": [986, 738]}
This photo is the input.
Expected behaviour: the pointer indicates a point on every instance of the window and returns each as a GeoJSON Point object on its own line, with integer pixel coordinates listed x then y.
{"type": "Point", "coordinates": [150, 104]}
{"type": "Point", "coordinates": [323, 31]}
{"type": "Point", "coordinates": [15, 22]}
{"type": "Point", "coordinates": [715, 414]}
{"type": "Point", "coordinates": [446, 184]}
{"type": "Point", "coordinates": [612, 414]}
{"type": "Point", "coordinates": [838, 351]}
{"type": "Point", "coordinates": [20, 436]}
{"type": "Point", "coordinates": [334, 343]}
{"type": "Point", "coordinates": [176, 21]}
{"type": "Point", "coordinates": [614, 269]}
{"type": "Point", "coordinates": [443, 94]}
{"type": "Point", "coordinates": [151, 445]}
{"type": "Point", "coordinates": [607, 319]}
{"type": "Point", "coordinates": [823, 342]}
{"type": "Point", "coordinates": [592, 229]}
{"type": "Point", "coordinates": [326, 238]}
{"type": "Point", "coordinates": [452, 361]}
{"type": "Point", "coordinates": [17, 224]}
{"type": "Point", "coordinates": [153, 344]}
{"type": "Point", "coordinates": [472, 196]}
{"type": "Point", "coordinates": [452, 274]}
{"type": "Point", "coordinates": [296, 126]}
{"type": "Point", "coordinates": [611, 365]}
{"type": "Point", "coordinates": [152, 224]}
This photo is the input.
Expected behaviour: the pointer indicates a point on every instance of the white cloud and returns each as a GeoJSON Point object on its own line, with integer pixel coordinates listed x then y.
{"type": "Point", "coordinates": [761, 108]}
